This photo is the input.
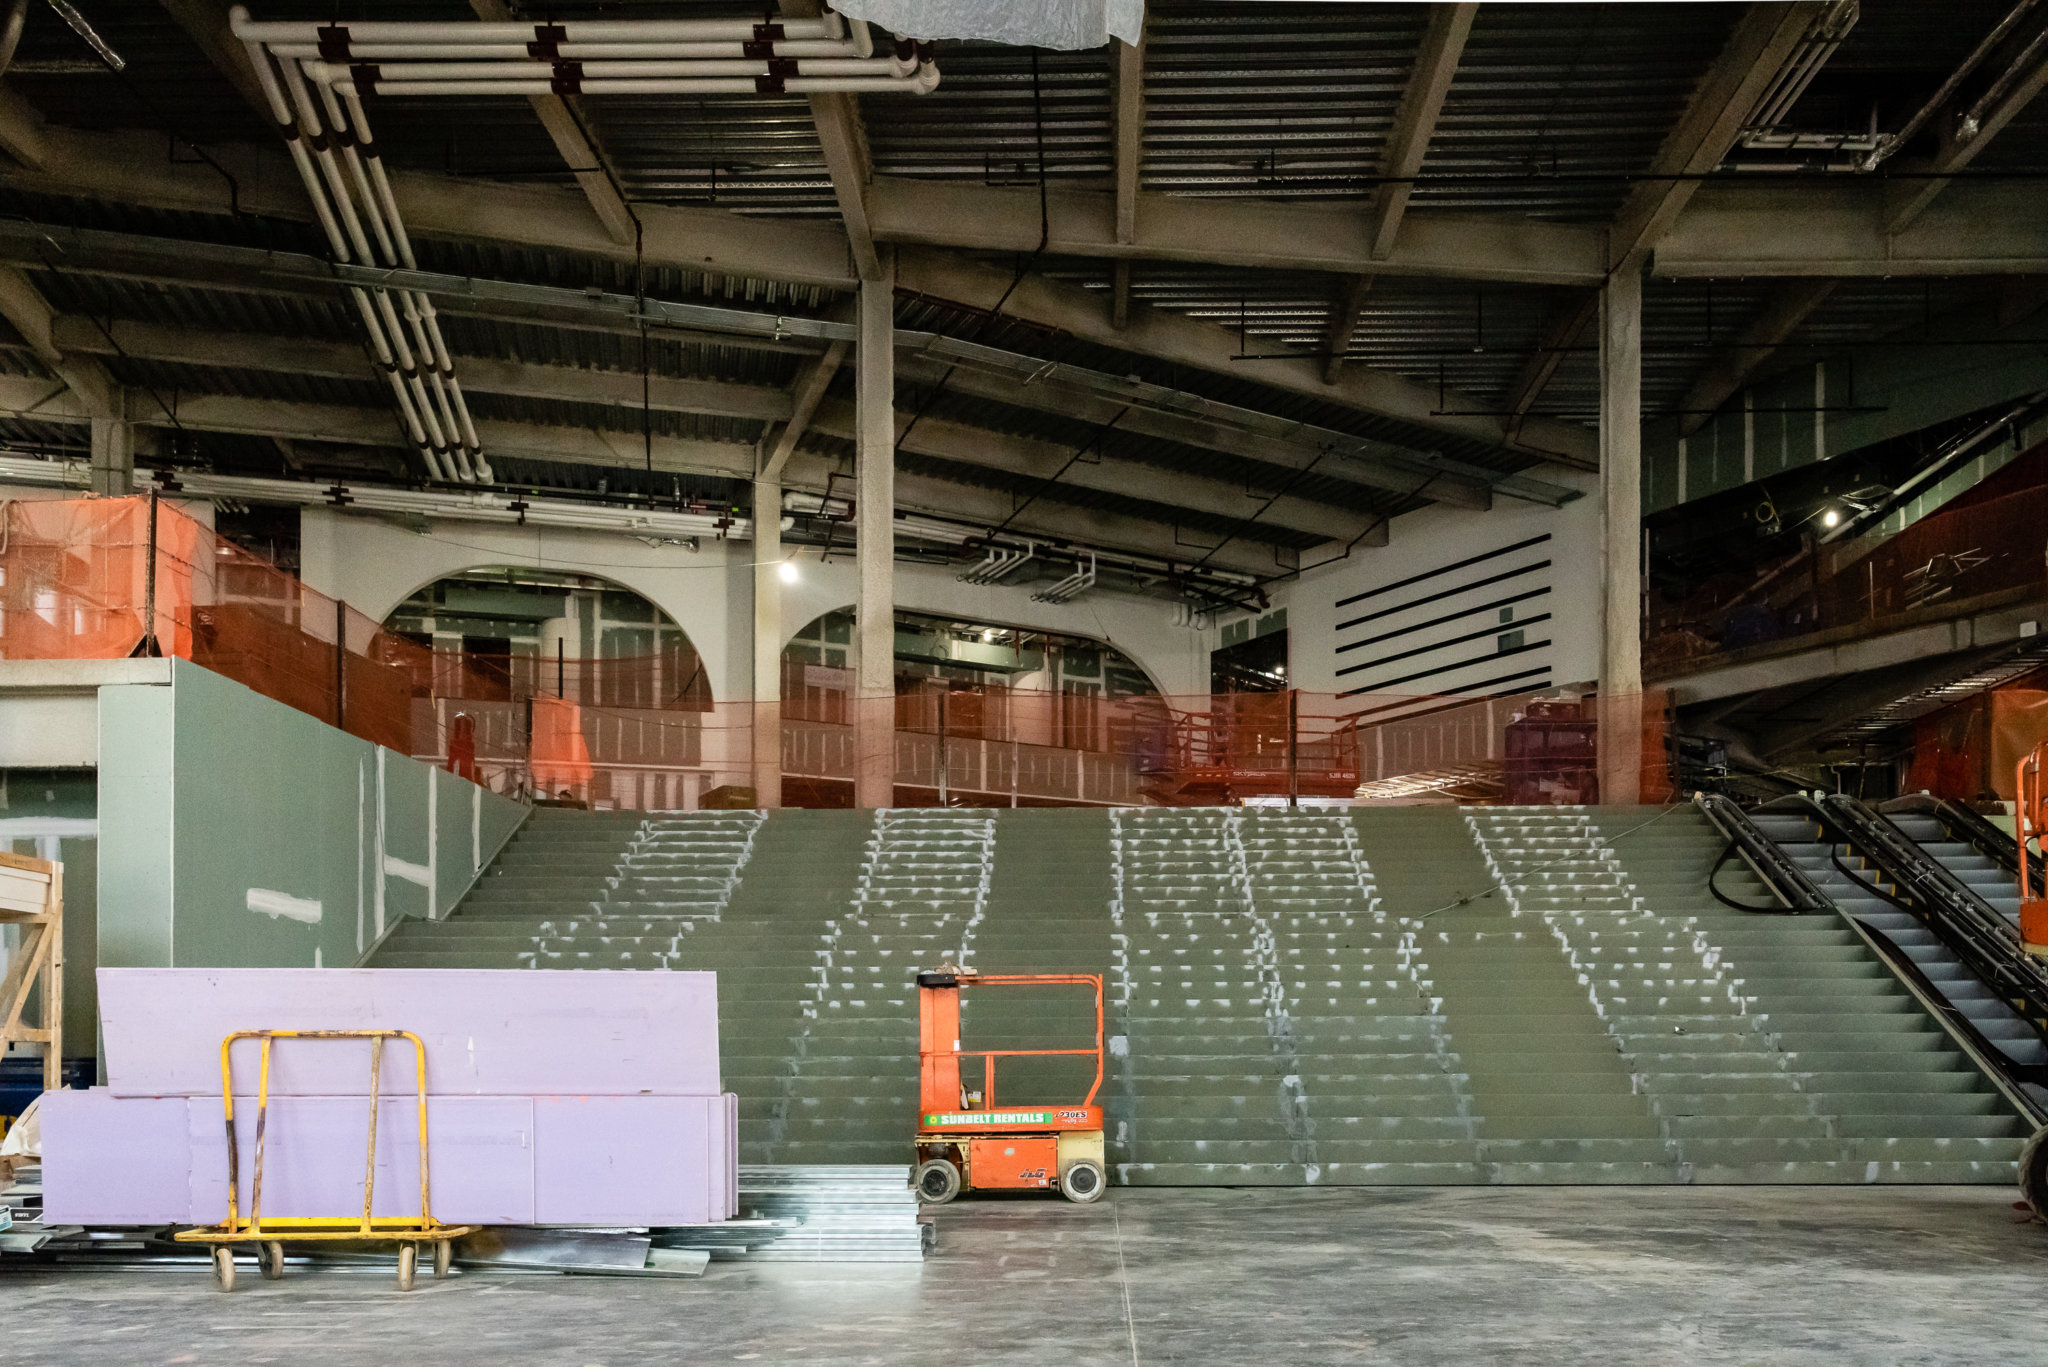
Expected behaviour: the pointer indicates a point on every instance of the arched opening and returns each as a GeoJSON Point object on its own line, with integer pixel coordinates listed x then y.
{"type": "Point", "coordinates": [992, 703]}
{"type": "Point", "coordinates": [566, 688]}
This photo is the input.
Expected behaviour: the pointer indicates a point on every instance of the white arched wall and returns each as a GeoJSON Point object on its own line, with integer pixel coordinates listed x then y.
{"type": "Point", "coordinates": [374, 564]}
{"type": "Point", "coordinates": [1174, 658]}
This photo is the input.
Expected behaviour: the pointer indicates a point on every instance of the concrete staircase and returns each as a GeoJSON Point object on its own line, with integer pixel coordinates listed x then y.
{"type": "Point", "coordinates": [1819, 1068]}
{"type": "Point", "coordinates": [1295, 996]}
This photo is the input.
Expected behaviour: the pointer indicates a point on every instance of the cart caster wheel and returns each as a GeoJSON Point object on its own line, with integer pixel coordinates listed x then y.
{"type": "Point", "coordinates": [444, 1257]}
{"type": "Point", "coordinates": [224, 1267]}
{"type": "Point", "coordinates": [937, 1182]}
{"type": "Point", "coordinates": [271, 1258]}
{"type": "Point", "coordinates": [408, 1265]}
{"type": "Point", "coordinates": [2034, 1173]}
{"type": "Point", "coordinates": [1082, 1181]}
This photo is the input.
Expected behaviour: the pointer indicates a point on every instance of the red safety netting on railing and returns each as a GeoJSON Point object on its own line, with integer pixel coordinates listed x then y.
{"type": "Point", "coordinates": [77, 581]}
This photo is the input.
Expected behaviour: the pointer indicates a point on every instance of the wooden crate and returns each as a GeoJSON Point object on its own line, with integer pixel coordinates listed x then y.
{"type": "Point", "coordinates": [32, 897]}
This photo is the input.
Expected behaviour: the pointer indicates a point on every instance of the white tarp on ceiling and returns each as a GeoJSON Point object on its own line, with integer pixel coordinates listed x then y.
{"type": "Point", "coordinates": [1067, 24]}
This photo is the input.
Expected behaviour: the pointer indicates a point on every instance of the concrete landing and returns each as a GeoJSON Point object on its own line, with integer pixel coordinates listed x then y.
{"type": "Point", "coordinates": [1420, 1277]}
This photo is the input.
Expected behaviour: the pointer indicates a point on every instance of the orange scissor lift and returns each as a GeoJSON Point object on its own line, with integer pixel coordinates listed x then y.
{"type": "Point", "coordinates": [2030, 823]}
{"type": "Point", "coordinates": [964, 1142]}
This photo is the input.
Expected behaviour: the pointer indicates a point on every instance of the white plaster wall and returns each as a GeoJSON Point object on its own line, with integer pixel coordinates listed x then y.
{"type": "Point", "coordinates": [1436, 536]}
{"type": "Point", "coordinates": [374, 564]}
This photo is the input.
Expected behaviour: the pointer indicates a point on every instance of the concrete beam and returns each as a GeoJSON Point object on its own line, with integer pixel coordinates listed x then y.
{"type": "Point", "coordinates": [1205, 346]}
{"type": "Point", "coordinates": [1344, 325]}
{"type": "Point", "coordinates": [1237, 232]}
{"type": "Point", "coordinates": [1791, 302]}
{"type": "Point", "coordinates": [1767, 35]}
{"type": "Point", "coordinates": [843, 138]}
{"type": "Point", "coordinates": [567, 129]}
{"type": "Point", "coordinates": [34, 399]}
{"type": "Point", "coordinates": [480, 374]}
{"type": "Point", "coordinates": [1568, 321]}
{"type": "Point", "coordinates": [1977, 227]}
{"type": "Point", "coordinates": [804, 399]}
{"type": "Point", "coordinates": [132, 169]}
{"type": "Point", "coordinates": [21, 130]}
{"type": "Point", "coordinates": [1911, 198]}
{"type": "Point", "coordinates": [1436, 63]}
{"type": "Point", "coordinates": [24, 307]}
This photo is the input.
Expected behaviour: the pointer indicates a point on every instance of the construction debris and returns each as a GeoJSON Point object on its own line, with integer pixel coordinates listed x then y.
{"type": "Point", "coordinates": [788, 1214]}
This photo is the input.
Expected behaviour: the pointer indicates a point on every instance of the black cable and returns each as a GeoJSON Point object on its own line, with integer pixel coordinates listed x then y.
{"type": "Point", "coordinates": [1725, 900]}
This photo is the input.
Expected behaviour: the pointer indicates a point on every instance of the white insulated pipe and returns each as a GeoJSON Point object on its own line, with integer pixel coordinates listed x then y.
{"type": "Point", "coordinates": [572, 52]}
{"type": "Point", "coordinates": [830, 28]}
{"type": "Point", "coordinates": [923, 83]}
{"type": "Point", "coordinates": [329, 73]}
{"type": "Point", "coordinates": [380, 347]}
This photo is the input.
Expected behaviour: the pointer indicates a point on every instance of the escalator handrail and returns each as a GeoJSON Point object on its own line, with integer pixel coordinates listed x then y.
{"type": "Point", "coordinates": [1960, 823]}
{"type": "Point", "coordinates": [1787, 882]}
{"type": "Point", "coordinates": [2008, 1072]}
{"type": "Point", "coordinates": [1971, 928]}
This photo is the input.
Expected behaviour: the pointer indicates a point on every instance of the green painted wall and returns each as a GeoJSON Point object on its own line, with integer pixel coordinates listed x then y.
{"type": "Point", "coordinates": [33, 804]}
{"type": "Point", "coordinates": [236, 831]}
{"type": "Point", "coordinates": [1872, 396]}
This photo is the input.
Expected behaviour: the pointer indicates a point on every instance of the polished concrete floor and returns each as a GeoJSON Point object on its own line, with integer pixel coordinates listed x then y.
{"type": "Point", "coordinates": [1523, 1276]}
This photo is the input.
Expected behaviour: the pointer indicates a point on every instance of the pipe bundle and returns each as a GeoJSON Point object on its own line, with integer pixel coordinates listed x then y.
{"type": "Point", "coordinates": [329, 137]}
{"type": "Point", "coordinates": [597, 57]}
{"type": "Point", "coordinates": [316, 77]}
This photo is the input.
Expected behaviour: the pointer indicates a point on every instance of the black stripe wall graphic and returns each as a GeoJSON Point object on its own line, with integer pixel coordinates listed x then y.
{"type": "Point", "coordinates": [1477, 627]}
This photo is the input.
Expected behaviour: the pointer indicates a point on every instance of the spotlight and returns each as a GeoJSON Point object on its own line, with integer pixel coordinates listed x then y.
{"type": "Point", "coordinates": [788, 572]}
{"type": "Point", "coordinates": [1831, 517]}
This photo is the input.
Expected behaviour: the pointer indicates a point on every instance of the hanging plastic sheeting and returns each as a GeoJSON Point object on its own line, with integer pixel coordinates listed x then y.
{"type": "Point", "coordinates": [1068, 25]}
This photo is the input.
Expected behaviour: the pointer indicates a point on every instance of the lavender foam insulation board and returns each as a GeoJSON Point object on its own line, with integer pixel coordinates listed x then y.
{"type": "Point", "coordinates": [494, 1160]}
{"type": "Point", "coordinates": [510, 1032]}
{"type": "Point", "coordinates": [111, 1160]}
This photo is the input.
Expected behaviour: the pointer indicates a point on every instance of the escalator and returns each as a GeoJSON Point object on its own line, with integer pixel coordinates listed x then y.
{"type": "Point", "coordinates": [1928, 888]}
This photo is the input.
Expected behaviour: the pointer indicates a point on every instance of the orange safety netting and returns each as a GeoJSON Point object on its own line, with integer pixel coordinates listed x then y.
{"type": "Point", "coordinates": [645, 733]}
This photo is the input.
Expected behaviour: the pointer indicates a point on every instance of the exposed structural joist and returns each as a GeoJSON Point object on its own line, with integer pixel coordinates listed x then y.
{"type": "Point", "coordinates": [33, 400]}
{"type": "Point", "coordinates": [1964, 133]}
{"type": "Point", "coordinates": [567, 129]}
{"type": "Point", "coordinates": [25, 309]}
{"type": "Point", "coordinates": [977, 510]}
{"type": "Point", "coordinates": [340, 360]}
{"type": "Point", "coordinates": [1204, 346]}
{"type": "Point", "coordinates": [842, 136]}
{"type": "Point", "coordinates": [1765, 38]}
{"type": "Point", "coordinates": [1182, 340]}
{"type": "Point", "coordinates": [1436, 62]}
{"type": "Point", "coordinates": [1130, 154]}
{"type": "Point", "coordinates": [1054, 464]}
{"type": "Point", "coordinates": [805, 396]}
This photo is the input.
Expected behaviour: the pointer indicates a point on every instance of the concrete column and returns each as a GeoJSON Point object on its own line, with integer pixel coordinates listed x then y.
{"type": "Point", "coordinates": [768, 642]}
{"type": "Point", "coordinates": [113, 453]}
{"type": "Point", "coordinates": [874, 739]}
{"type": "Point", "coordinates": [1621, 510]}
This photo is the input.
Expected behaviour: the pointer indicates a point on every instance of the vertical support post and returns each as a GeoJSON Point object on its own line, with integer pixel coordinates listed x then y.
{"type": "Point", "coordinates": [561, 667]}
{"type": "Point", "coordinates": [340, 665]}
{"type": "Point", "coordinates": [148, 646]}
{"type": "Point", "coordinates": [767, 738]}
{"type": "Point", "coordinates": [113, 453]}
{"type": "Point", "coordinates": [1621, 512]}
{"type": "Point", "coordinates": [874, 734]}
{"type": "Point", "coordinates": [944, 756]}
{"type": "Point", "coordinates": [1294, 747]}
